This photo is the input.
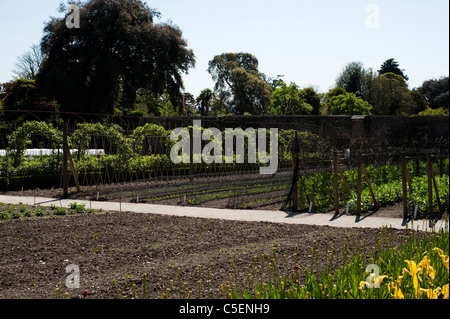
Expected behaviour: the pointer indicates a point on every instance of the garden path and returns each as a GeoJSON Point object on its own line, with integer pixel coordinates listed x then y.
{"type": "Point", "coordinates": [320, 219]}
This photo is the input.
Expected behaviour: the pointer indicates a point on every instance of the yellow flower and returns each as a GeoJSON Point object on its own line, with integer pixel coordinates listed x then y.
{"type": "Point", "coordinates": [374, 282]}
{"type": "Point", "coordinates": [432, 294]}
{"type": "Point", "coordinates": [426, 265]}
{"type": "Point", "coordinates": [398, 294]}
{"type": "Point", "coordinates": [413, 271]}
{"type": "Point", "coordinates": [362, 284]}
{"type": "Point", "coordinates": [442, 255]}
{"type": "Point", "coordinates": [444, 291]}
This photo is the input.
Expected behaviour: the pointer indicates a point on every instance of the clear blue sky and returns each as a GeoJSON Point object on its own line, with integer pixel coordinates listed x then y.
{"type": "Point", "coordinates": [309, 42]}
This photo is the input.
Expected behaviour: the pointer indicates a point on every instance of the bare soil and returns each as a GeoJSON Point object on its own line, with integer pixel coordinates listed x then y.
{"type": "Point", "coordinates": [107, 246]}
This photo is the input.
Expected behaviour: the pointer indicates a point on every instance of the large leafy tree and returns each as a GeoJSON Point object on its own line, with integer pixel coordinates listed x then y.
{"type": "Point", "coordinates": [354, 78]}
{"type": "Point", "coordinates": [291, 100]}
{"type": "Point", "coordinates": [204, 101]}
{"type": "Point", "coordinates": [391, 96]}
{"type": "Point", "coordinates": [117, 51]}
{"type": "Point", "coordinates": [348, 104]}
{"type": "Point", "coordinates": [436, 92]}
{"type": "Point", "coordinates": [237, 77]}
{"type": "Point", "coordinates": [22, 101]}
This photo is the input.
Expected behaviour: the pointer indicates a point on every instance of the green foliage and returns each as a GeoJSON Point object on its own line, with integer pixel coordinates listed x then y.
{"type": "Point", "coordinates": [78, 208]}
{"type": "Point", "coordinates": [392, 66]}
{"type": "Point", "coordinates": [390, 96]}
{"type": "Point", "coordinates": [436, 93]}
{"type": "Point", "coordinates": [289, 100]}
{"type": "Point", "coordinates": [204, 101]}
{"type": "Point", "coordinates": [434, 112]}
{"type": "Point", "coordinates": [386, 184]}
{"type": "Point", "coordinates": [23, 95]}
{"type": "Point", "coordinates": [105, 62]}
{"type": "Point", "coordinates": [20, 138]}
{"type": "Point", "coordinates": [348, 104]}
{"type": "Point", "coordinates": [355, 79]}
{"type": "Point", "coordinates": [239, 81]}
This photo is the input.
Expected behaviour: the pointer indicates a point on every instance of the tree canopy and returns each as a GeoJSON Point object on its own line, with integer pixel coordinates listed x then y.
{"type": "Point", "coordinates": [291, 100]}
{"type": "Point", "coordinates": [392, 66]}
{"type": "Point", "coordinates": [238, 79]}
{"type": "Point", "coordinates": [341, 102]}
{"type": "Point", "coordinates": [117, 50]}
{"type": "Point", "coordinates": [354, 78]}
{"type": "Point", "coordinates": [436, 92]}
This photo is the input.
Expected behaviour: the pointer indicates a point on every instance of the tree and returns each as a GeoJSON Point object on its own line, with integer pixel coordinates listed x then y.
{"type": "Point", "coordinates": [30, 63]}
{"type": "Point", "coordinates": [238, 79]}
{"type": "Point", "coordinates": [312, 98]}
{"type": "Point", "coordinates": [204, 101]}
{"type": "Point", "coordinates": [392, 66]}
{"type": "Point", "coordinates": [188, 105]}
{"type": "Point", "coordinates": [436, 92]}
{"type": "Point", "coordinates": [289, 100]}
{"type": "Point", "coordinates": [391, 96]}
{"type": "Point", "coordinates": [22, 96]}
{"type": "Point", "coordinates": [348, 104]}
{"type": "Point", "coordinates": [350, 78]}
{"type": "Point", "coordinates": [117, 51]}
{"type": "Point", "coordinates": [354, 78]}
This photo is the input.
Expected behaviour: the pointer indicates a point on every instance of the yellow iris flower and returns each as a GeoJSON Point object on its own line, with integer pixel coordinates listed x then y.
{"type": "Point", "coordinates": [374, 282]}
{"type": "Point", "coordinates": [432, 294]}
{"type": "Point", "coordinates": [442, 255]}
{"type": "Point", "coordinates": [445, 291]}
{"type": "Point", "coordinates": [414, 269]}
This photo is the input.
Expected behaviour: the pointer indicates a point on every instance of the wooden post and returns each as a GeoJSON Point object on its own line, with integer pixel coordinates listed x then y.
{"type": "Point", "coordinates": [72, 168]}
{"type": "Point", "coordinates": [69, 157]}
{"type": "Point", "coordinates": [408, 179]}
{"type": "Point", "coordinates": [438, 199]}
{"type": "Point", "coordinates": [344, 180]}
{"type": "Point", "coordinates": [295, 174]}
{"type": "Point", "coordinates": [358, 185]}
{"type": "Point", "coordinates": [336, 181]}
{"type": "Point", "coordinates": [430, 187]}
{"type": "Point", "coordinates": [366, 176]}
{"type": "Point", "coordinates": [404, 187]}
{"type": "Point", "coordinates": [191, 155]}
{"type": "Point", "coordinates": [65, 175]}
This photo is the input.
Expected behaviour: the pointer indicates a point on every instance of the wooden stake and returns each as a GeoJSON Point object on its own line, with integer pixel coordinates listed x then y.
{"type": "Point", "coordinates": [336, 181]}
{"type": "Point", "coordinates": [358, 185]}
{"type": "Point", "coordinates": [344, 180]}
{"type": "Point", "coordinates": [65, 175]}
{"type": "Point", "coordinates": [366, 176]}
{"type": "Point", "coordinates": [430, 186]}
{"type": "Point", "coordinates": [295, 174]}
{"type": "Point", "coordinates": [436, 189]}
{"type": "Point", "coordinates": [68, 157]}
{"type": "Point", "coordinates": [404, 187]}
{"type": "Point", "coordinates": [74, 172]}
